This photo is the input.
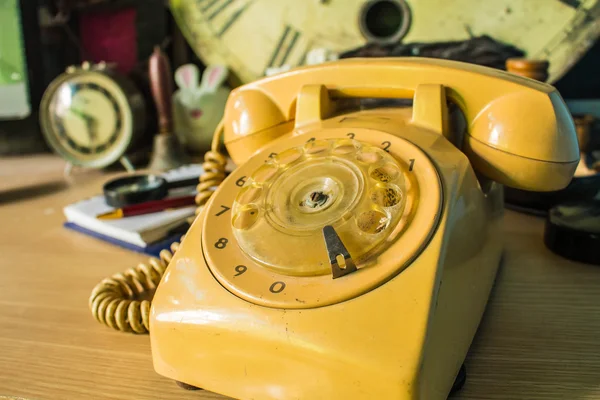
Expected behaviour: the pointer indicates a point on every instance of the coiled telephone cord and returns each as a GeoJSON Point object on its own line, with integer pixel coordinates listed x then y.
{"type": "Point", "coordinates": [123, 300]}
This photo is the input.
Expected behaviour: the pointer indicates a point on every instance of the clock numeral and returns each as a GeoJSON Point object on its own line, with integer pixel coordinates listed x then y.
{"type": "Point", "coordinates": [286, 43]}
{"type": "Point", "coordinates": [412, 164]}
{"type": "Point", "coordinates": [222, 5]}
{"type": "Point", "coordinates": [205, 5]}
{"type": "Point", "coordinates": [571, 3]}
{"type": "Point", "coordinates": [234, 17]}
{"type": "Point", "coordinates": [214, 8]}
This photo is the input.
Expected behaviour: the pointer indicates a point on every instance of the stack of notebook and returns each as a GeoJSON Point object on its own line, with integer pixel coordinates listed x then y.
{"type": "Point", "coordinates": [148, 233]}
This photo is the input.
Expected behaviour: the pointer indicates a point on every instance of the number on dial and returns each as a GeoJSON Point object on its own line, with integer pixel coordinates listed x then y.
{"type": "Point", "coordinates": [240, 269]}
{"type": "Point", "coordinates": [277, 287]}
{"type": "Point", "coordinates": [223, 211]}
{"type": "Point", "coordinates": [221, 243]}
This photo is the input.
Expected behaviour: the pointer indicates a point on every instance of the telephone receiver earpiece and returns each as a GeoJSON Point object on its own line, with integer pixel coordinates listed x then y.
{"type": "Point", "coordinates": [519, 131]}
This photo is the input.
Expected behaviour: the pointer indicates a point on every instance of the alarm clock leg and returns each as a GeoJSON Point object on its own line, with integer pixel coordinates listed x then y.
{"type": "Point", "coordinates": [127, 164]}
{"type": "Point", "coordinates": [68, 169]}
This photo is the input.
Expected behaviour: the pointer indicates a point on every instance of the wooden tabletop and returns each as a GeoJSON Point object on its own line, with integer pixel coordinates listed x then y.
{"type": "Point", "coordinates": [539, 339]}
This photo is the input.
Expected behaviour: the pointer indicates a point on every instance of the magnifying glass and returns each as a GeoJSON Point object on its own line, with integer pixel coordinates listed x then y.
{"type": "Point", "coordinates": [137, 189]}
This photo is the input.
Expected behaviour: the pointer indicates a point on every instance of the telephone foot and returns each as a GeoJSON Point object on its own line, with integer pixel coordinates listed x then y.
{"type": "Point", "coordinates": [186, 386]}
{"type": "Point", "coordinates": [460, 380]}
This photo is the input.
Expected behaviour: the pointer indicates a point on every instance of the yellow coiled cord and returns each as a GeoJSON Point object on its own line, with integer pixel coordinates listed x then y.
{"type": "Point", "coordinates": [123, 300]}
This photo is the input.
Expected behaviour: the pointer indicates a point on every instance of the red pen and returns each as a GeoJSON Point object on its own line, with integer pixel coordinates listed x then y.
{"type": "Point", "coordinates": [149, 207]}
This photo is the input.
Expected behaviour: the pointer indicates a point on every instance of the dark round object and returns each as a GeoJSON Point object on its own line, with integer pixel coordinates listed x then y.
{"type": "Point", "coordinates": [573, 231]}
{"type": "Point", "coordinates": [385, 21]}
{"type": "Point", "coordinates": [538, 203]}
{"type": "Point", "coordinates": [136, 189]}
{"type": "Point", "coordinates": [460, 380]}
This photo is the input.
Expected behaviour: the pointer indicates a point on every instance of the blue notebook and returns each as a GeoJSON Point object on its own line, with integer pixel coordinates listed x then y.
{"type": "Point", "coordinates": [152, 249]}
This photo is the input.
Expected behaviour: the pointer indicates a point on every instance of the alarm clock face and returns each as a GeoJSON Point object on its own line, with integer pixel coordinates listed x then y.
{"type": "Point", "coordinates": [252, 36]}
{"type": "Point", "coordinates": [87, 118]}
{"type": "Point", "coordinates": [321, 218]}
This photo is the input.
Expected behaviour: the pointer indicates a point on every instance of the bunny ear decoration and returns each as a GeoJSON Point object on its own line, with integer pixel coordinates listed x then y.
{"type": "Point", "coordinates": [213, 77]}
{"type": "Point", "coordinates": [186, 76]}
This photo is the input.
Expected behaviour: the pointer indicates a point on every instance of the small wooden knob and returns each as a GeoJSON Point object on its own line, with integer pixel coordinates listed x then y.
{"type": "Point", "coordinates": [162, 89]}
{"type": "Point", "coordinates": [583, 126]}
{"type": "Point", "coordinates": [534, 69]}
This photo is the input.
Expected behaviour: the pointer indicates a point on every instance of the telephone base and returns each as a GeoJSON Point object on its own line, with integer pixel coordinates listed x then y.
{"type": "Point", "coordinates": [248, 306]}
{"type": "Point", "coordinates": [459, 382]}
{"type": "Point", "coordinates": [405, 339]}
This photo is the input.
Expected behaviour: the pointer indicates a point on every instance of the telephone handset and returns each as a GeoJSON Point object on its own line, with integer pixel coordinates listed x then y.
{"type": "Point", "coordinates": [519, 130]}
{"type": "Point", "coordinates": [352, 251]}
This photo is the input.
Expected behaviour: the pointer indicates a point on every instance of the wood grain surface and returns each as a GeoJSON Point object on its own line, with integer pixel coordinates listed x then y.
{"type": "Point", "coordinates": [539, 339]}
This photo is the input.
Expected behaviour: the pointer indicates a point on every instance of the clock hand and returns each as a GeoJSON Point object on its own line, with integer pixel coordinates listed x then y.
{"type": "Point", "coordinates": [92, 126]}
{"type": "Point", "coordinates": [90, 123]}
{"type": "Point", "coordinates": [84, 116]}
{"type": "Point", "coordinates": [80, 114]}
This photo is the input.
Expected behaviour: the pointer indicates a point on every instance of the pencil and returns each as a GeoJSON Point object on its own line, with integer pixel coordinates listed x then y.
{"type": "Point", "coordinates": [148, 207]}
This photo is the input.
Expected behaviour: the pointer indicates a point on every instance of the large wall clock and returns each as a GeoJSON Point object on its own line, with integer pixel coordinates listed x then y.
{"type": "Point", "coordinates": [250, 36]}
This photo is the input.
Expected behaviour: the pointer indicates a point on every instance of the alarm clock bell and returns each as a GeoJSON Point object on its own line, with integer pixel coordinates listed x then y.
{"type": "Point", "coordinates": [352, 252]}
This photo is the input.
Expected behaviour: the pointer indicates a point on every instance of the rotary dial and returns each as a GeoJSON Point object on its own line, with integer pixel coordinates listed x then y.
{"type": "Point", "coordinates": [321, 217]}
{"type": "Point", "coordinates": [355, 188]}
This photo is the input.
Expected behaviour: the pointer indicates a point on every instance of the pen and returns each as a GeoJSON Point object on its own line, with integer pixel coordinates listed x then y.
{"type": "Point", "coordinates": [148, 207]}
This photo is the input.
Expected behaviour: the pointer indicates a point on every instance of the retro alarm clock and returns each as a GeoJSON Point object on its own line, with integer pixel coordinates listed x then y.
{"type": "Point", "coordinates": [352, 251]}
{"type": "Point", "coordinates": [91, 115]}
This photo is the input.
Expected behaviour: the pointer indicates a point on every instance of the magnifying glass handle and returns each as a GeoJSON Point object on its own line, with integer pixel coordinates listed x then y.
{"type": "Point", "coordinates": [183, 183]}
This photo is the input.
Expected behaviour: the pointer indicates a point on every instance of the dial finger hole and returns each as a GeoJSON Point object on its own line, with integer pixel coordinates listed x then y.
{"type": "Point", "coordinates": [265, 173]}
{"type": "Point", "coordinates": [344, 147]}
{"type": "Point", "coordinates": [372, 221]}
{"type": "Point", "coordinates": [246, 217]}
{"type": "Point", "coordinates": [369, 157]}
{"type": "Point", "coordinates": [249, 194]}
{"type": "Point", "coordinates": [385, 173]}
{"type": "Point", "coordinates": [387, 196]}
{"type": "Point", "coordinates": [288, 156]}
{"type": "Point", "coordinates": [317, 147]}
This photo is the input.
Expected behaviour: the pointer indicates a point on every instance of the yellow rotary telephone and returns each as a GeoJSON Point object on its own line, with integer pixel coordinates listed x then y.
{"type": "Point", "coordinates": [352, 252]}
